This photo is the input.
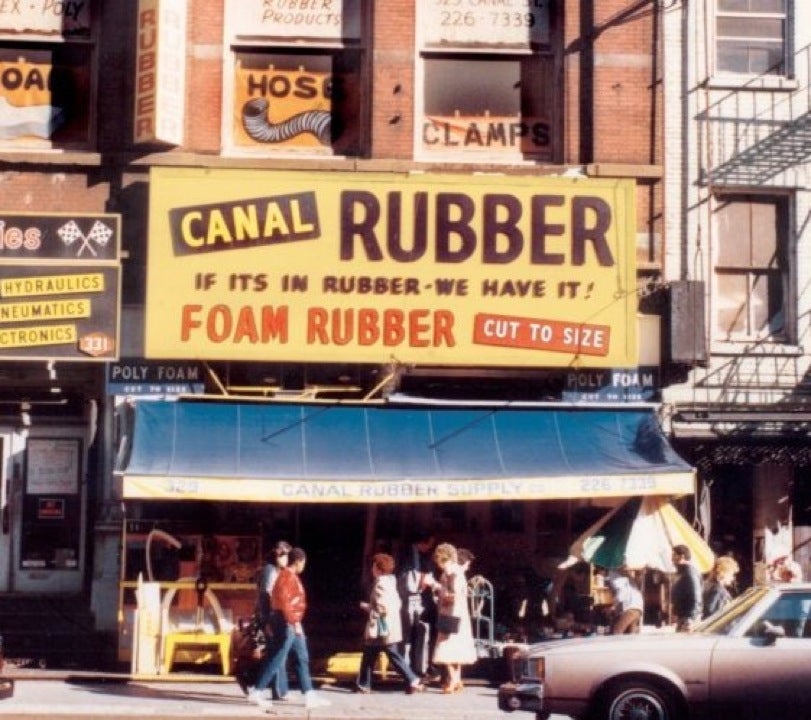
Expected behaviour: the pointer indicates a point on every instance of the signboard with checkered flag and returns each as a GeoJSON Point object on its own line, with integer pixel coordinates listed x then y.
{"type": "Point", "coordinates": [26, 236]}
{"type": "Point", "coordinates": [60, 278]}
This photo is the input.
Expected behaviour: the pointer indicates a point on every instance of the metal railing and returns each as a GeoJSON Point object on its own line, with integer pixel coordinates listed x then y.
{"type": "Point", "coordinates": [759, 130]}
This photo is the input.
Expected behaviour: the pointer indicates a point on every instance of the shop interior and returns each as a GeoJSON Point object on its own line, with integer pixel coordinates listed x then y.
{"type": "Point", "coordinates": [200, 560]}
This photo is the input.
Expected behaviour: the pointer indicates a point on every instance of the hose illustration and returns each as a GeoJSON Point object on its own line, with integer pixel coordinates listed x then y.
{"type": "Point", "coordinates": [259, 127]}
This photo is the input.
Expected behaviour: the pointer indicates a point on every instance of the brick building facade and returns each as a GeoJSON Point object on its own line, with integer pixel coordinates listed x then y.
{"type": "Point", "coordinates": [408, 90]}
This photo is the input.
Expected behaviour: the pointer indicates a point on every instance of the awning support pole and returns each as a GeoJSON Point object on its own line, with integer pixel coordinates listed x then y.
{"type": "Point", "coordinates": [380, 385]}
{"type": "Point", "coordinates": [217, 382]}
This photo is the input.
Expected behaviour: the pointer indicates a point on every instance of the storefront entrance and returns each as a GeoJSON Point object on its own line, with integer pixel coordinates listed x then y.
{"type": "Point", "coordinates": [42, 511]}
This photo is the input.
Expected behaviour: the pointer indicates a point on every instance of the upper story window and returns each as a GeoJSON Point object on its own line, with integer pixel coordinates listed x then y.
{"type": "Point", "coordinates": [294, 81]}
{"type": "Point", "coordinates": [751, 268]}
{"type": "Point", "coordinates": [486, 82]}
{"type": "Point", "coordinates": [46, 76]}
{"type": "Point", "coordinates": [751, 37]}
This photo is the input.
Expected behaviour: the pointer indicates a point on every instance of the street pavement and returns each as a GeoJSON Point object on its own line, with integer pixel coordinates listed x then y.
{"type": "Point", "coordinates": [51, 694]}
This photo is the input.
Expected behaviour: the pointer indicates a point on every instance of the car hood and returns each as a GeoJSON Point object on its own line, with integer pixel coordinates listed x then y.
{"type": "Point", "coordinates": [624, 643]}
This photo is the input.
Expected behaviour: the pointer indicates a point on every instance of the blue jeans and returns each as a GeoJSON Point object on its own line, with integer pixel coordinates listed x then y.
{"type": "Point", "coordinates": [285, 640]}
{"type": "Point", "coordinates": [272, 628]}
{"type": "Point", "coordinates": [367, 661]}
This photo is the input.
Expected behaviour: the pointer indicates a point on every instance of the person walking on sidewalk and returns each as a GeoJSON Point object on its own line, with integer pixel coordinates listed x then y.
{"type": "Point", "coordinates": [276, 560]}
{"type": "Point", "coordinates": [685, 593]}
{"type": "Point", "coordinates": [384, 628]}
{"type": "Point", "coordinates": [455, 646]}
{"type": "Point", "coordinates": [415, 583]}
{"type": "Point", "coordinates": [716, 593]}
{"type": "Point", "coordinates": [290, 600]}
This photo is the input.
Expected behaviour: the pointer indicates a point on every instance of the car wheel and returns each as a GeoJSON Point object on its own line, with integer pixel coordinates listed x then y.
{"type": "Point", "coordinates": [638, 701]}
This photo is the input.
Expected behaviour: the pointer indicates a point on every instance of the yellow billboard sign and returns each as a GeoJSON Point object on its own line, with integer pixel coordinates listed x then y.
{"type": "Point", "coordinates": [371, 268]}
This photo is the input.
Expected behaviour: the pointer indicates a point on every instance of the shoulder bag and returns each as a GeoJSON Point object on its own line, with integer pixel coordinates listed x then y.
{"type": "Point", "coordinates": [447, 624]}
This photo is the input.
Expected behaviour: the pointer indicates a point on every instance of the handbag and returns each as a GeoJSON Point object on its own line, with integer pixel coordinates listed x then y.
{"type": "Point", "coordinates": [377, 628]}
{"type": "Point", "coordinates": [447, 624]}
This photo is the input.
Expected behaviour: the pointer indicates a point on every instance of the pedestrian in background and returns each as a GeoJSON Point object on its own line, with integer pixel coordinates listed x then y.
{"type": "Point", "coordinates": [628, 603]}
{"type": "Point", "coordinates": [415, 582]}
{"type": "Point", "coordinates": [785, 570]}
{"type": "Point", "coordinates": [465, 558]}
{"type": "Point", "coordinates": [716, 594]}
{"type": "Point", "coordinates": [289, 600]}
{"type": "Point", "coordinates": [384, 630]}
{"type": "Point", "coordinates": [686, 592]}
{"type": "Point", "coordinates": [276, 560]}
{"type": "Point", "coordinates": [454, 646]}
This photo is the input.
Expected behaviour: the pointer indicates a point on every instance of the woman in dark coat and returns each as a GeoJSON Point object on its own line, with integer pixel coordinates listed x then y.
{"type": "Point", "coordinates": [716, 594]}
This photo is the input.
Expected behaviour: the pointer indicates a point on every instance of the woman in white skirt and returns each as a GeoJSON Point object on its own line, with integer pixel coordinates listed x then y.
{"type": "Point", "coordinates": [454, 646]}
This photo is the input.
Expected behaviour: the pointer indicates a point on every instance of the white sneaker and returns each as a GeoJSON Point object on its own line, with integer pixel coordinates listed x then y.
{"type": "Point", "coordinates": [259, 698]}
{"type": "Point", "coordinates": [313, 700]}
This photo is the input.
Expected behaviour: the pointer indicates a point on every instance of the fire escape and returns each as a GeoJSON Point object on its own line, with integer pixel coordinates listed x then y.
{"type": "Point", "coordinates": [757, 136]}
{"type": "Point", "coordinates": [754, 136]}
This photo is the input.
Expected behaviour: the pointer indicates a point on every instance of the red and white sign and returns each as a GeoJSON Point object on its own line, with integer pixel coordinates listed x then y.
{"type": "Point", "coordinates": [160, 72]}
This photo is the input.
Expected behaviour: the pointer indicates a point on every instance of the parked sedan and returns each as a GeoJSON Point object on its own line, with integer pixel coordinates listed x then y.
{"type": "Point", "coordinates": [751, 660]}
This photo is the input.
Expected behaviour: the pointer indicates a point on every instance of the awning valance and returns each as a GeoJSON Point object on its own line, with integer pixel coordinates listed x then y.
{"type": "Point", "coordinates": [361, 453]}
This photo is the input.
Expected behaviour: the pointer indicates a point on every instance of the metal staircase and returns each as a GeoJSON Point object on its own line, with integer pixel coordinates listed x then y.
{"type": "Point", "coordinates": [786, 145]}
{"type": "Point", "coordinates": [755, 132]}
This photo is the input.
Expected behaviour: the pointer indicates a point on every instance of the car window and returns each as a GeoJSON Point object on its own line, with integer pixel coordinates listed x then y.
{"type": "Point", "coordinates": [791, 611]}
{"type": "Point", "coordinates": [728, 620]}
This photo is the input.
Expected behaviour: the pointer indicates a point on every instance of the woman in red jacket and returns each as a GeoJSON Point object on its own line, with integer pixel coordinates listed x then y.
{"type": "Point", "coordinates": [289, 600]}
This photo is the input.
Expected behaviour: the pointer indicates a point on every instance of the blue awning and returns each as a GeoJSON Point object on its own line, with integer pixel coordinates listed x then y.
{"type": "Point", "coordinates": [382, 453]}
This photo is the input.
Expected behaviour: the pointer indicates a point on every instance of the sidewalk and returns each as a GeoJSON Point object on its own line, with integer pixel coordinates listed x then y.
{"type": "Point", "coordinates": [47, 695]}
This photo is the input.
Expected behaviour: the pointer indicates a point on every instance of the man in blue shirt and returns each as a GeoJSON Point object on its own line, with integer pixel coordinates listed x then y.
{"type": "Point", "coordinates": [685, 594]}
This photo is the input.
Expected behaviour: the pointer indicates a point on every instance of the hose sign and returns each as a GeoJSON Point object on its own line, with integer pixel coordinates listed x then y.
{"type": "Point", "coordinates": [428, 269]}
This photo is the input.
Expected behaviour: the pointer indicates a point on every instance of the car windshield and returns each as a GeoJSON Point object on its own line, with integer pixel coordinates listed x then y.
{"type": "Point", "coordinates": [725, 621]}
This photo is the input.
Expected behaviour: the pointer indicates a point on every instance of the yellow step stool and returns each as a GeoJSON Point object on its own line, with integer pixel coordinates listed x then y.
{"type": "Point", "coordinates": [346, 665]}
{"type": "Point", "coordinates": [198, 641]}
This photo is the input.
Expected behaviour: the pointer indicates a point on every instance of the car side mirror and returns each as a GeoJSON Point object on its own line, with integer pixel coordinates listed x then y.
{"type": "Point", "coordinates": [771, 632]}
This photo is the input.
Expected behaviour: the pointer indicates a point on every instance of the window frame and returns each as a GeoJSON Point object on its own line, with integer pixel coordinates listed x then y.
{"type": "Point", "coordinates": [234, 45]}
{"type": "Point", "coordinates": [80, 45]}
{"type": "Point", "coordinates": [545, 49]}
{"type": "Point", "coordinates": [787, 18]}
{"type": "Point", "coordinates": [786, 269]}
{"type": "Point", "coordinates": [498, 156]}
